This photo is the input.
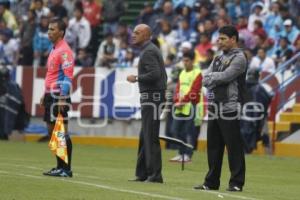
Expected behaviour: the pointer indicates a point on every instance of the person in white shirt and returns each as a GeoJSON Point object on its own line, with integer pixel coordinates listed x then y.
{"type": "Point", "coordinates": [8, 49]}
{"type": "Point", "coordinates": [262, 62]}
{"type": "Point", "coordinates": [167, 38]}
{"type": "Point", "coordinates": [108, 51]}
{"type": "Point", "coordinates": [257, 14]}
{"type": "Point", "coordinates": [78, 33]}
{"type": "Point", "coordinates": [40, 10]}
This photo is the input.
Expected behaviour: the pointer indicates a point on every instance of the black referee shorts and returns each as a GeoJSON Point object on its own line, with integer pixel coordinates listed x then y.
{"type": "Point", "coordinates": [51, 109]}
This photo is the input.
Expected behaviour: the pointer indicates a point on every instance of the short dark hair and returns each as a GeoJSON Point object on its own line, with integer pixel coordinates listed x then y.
{"type": "Point", "coordinates": [230, 31]}
{"type": "Point", "coordinates": [60, 24]}
{"type": "Point", "coordinates": [189, 54]}
{"type": "Point", "coordinates": [41, 1]}
{"type": "Point", "coordinates": [79, 7]}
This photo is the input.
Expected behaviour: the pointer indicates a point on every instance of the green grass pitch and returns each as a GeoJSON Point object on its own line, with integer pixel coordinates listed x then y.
{"type": "Point", "coordinates": [102, 173]}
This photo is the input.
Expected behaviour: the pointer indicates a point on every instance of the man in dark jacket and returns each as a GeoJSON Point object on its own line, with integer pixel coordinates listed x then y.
{"type": "Point", "coordinates": [252, 129]}
{"type": "Point", "coordinates": [224, 79]}
{"type": "Point", "coordinates": [152, 80]}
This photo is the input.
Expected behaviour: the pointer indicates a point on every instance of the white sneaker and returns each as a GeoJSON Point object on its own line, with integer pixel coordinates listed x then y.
{"type": "Point", "coordinates": [186, 158]}
{"type": "Point", "coordinates": [176, 158]}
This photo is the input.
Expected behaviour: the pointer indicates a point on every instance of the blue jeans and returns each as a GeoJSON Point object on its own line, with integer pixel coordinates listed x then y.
{"type": "Point", "coordinates": [183, 128]}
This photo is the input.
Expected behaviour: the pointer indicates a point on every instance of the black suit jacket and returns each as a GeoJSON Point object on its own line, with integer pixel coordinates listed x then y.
{"type": "Point", "coordinates": [152, 75]}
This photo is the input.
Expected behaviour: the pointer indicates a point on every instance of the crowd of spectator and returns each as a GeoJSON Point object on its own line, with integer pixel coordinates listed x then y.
{"type": "Point", "coordinates": [268, 29]}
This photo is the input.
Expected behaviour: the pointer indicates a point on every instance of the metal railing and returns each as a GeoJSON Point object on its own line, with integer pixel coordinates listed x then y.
{"type": "Point", "coordinates": [279, 99]}
{"type": "Point", "coordinates": [282, 68]}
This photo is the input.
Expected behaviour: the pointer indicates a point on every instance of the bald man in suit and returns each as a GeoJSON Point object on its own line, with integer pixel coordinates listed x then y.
{"type": "Point", "coordinates": [152, 81]}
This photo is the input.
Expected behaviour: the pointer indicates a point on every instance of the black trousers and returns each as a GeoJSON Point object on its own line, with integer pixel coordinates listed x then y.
{"type": "Point", "coordinates": [149, 162]}
{"type": "Point", "coordinates": [51, 110]}
{"type": "Point", "coordinates": [220, 133]}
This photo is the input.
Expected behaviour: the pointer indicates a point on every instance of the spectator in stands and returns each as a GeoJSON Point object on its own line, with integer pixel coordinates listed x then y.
{"type": "Point", "coordinates": [273, 18]}
{"type": "Point", "coordinates": [190, 3]}
{"type": "Point", "coordinates": [238, 8]}
{"type": "Point", "coordinates": [186, 97]}
{"type": "Point", "coordinates": [290, 31]}
{"type": "Point", "coordinates": [123, 32]}
{"type": "Point", "coordinates": [167, 38]}
{"type": "Point", "coordinates": [148, 16]}
{"type": "Point", "coordinates": [40, 10]}
{"type": "Point", "coordinates": [79, 30]}
{"type": "Point", "coordinates": [209, 58]}
{"type": "Point", "coordinates": [222, 14]}
{"type": "Point", "coordinates": [209, 27]}
{"type": "Point", "coordinates": [185, 33]}
{"type": "Point", "coordinates": [295, 10]}
{"type": "Point", "coordinates": [218, 5]}
{"type": "Point", "coordinates": [93, 13]}
{"type": "Point", "coordinates": [3, 27]}
{"type": "Point", "coordinates": [122, 52]}
{"type": "Point", "coordinates": [260, 40]}
{"type": "Point", "coordinates": [41, 43]}
{"type": "Point", "coordinates": [8, 48]}
{"type": "Point", "coordinates": [178, 4]}
{"type": "Point", "coordinates": [215, 35]}
{"type": "Point", "coordinates": [258, 29]}
{"type": "Point", "coordinates": [275, 32]}
{"type": "Point", "coordinates": [262, 62]}
{"type": "Point", "coordinates": [184, 48]}
{"type": "Point", "coordinates": [70, 6]}
{"type": "Point", "coordinates": [185, 13]}
{"type": "Point", "coordinates": [108, 51]}
{"type": "Point", "coordinates": [203, 46]}
{"type": "Point", "coordinates": [285, 13]}
{"type": "Point", "coordinates": [283, 52]}
{"type": "Point", "coordinates": [168, 14]}
{"type": "Point", "coordinates": [27, 31]}
{"type": "Point", "coordinates": [129, 60]}
{"type": "Point", "coordinates": [204, 12]}
{"type": "Point", "coordinates": [112, 12]}
{"type": "Point", "coordinates": [83, 59]}
{"type": "Point", "coordinates": [8, 17]}
{"type": "Point", "coordinates": [158, 5]}
{"type": "Point", "coordinates": [269, 46]}
{"type": "Point", "coordinates": [20, 9]}
{"type": "Point", "coordinates": [58, 9]}
{"type": "Point", "coordinates": [257, 14]}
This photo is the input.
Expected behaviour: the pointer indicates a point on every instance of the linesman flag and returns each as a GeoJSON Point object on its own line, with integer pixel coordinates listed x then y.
{"type": "Point", "coordinates": [58, 144]}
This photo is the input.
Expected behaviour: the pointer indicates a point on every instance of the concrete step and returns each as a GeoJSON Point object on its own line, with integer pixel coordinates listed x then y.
{"type": "Point", "coordinates": [283, 126]}
{"type": "Point", "coordinates": [293, 117]}
{"type": "Point", "coordinates": [296, 108]}
{"type": "Point", "coordinates": [280, 126]}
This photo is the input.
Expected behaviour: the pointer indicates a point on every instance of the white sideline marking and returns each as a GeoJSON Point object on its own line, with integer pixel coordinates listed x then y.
{"type": "Point", "coordinates": [99, 186]}
{"type": "Point", "coordinates": [123, 190]}
{"type": "Point", "coordinates": [230, 195]}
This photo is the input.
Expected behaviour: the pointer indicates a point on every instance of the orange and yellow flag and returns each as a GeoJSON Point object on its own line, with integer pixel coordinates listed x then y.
{"type": "Point", "coordinates": [57, 142]}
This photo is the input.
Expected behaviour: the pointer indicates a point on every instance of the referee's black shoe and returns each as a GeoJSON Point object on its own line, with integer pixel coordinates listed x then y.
{"type": "Point", "coordinates": [59, 173]}
{"type": "Point", "coordinates": [47, 173]}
